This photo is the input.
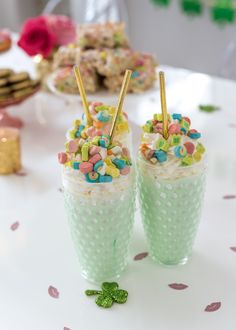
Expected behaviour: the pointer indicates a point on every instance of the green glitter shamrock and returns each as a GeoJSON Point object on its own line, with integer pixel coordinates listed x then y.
{"type": "Point", "coordinates": [208, 108]}
{"type": "Point", "coordinates": [110, 293]}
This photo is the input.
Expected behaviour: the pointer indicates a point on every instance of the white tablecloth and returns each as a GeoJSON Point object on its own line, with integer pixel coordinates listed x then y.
{"type": "Point", "coordinates": [39, 252]}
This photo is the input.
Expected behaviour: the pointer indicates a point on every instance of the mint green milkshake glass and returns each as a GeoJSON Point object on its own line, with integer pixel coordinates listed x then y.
{"type": "Point", "coordinates": [171, 180]}
{"type": "Point", "coordinates": [101, 217]}
{"type": "Point", "coordinates": [171, 209]}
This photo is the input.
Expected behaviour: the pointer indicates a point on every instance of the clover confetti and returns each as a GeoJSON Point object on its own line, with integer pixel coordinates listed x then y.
{"type": "Point", "coordinates": [109, 294]}
{"type": "Point", "coordinates": [208, 108]}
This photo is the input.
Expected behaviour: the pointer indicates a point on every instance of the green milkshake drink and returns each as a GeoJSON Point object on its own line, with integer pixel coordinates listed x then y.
{"type": "Point", "coordinates": [99, 192]}
{"type": "Point", "coordinates": [171, 180]}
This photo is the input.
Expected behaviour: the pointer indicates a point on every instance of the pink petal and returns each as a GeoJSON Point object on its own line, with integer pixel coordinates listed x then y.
{"type": "Point", "coordinates": [213, 307]}
{"type": "Point", "coordinates": [53, 292]}
{"type": "Point", "coordinates": [21, 173]}
{"type": "Point", "coordinates": [141, 256]}
{"type": "Point", "coordinates": [233, 248]}
{"type": "Point", "coordinates": [178, 286]}
{"type": "Point", "coordinates": [232, 125]}
{"type": "Point", "coordinates": [65, 328]}
{"type": "Point", "coordinates": [15, 225]}
{"type": "Point", "coordinates": [229, 196]}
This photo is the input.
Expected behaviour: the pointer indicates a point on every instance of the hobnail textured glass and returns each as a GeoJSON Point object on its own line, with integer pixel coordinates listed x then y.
{"type": "Point", "coordinates": [171, 211]}
{"type": "Point", "coordinates": [101, 219]}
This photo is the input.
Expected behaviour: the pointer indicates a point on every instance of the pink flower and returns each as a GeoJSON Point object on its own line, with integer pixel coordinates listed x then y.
{"type": "Point", "coordinates": [36, 37]}
{"type": "Point", "coordinates": [63, 28]}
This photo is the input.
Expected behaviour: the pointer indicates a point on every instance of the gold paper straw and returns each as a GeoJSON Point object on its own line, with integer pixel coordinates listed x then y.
{"type": "Point", "coordinates": [163, 104]}
{"type": "Point", "coordinates": [83, 94]}
{"type": "Point", "coordinates": [123, 92]}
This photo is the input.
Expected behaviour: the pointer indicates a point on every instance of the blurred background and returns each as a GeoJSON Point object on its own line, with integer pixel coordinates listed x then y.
{"type": "Point", "coordinates": [176, 39]}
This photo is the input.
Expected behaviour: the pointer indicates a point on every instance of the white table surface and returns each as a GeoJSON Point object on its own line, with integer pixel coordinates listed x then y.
{"type": "Point", "coordinates": [39, 253]}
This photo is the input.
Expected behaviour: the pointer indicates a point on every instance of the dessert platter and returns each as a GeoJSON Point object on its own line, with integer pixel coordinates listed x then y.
{"type": "Point", "coordinates": [103, 54]}
{"type": "Point", "coordinates": [14, 89]}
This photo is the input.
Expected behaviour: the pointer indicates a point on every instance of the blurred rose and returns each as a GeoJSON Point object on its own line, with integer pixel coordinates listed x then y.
{"type": "Point", "coordinates": [63, 28]}
{"type": "Point", "coordinates": [36, 37]}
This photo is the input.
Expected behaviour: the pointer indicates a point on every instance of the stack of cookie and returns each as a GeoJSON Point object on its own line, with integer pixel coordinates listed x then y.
{"type": "Point", "coordinates": [103, 54]}
{"type": "Point", "coordinates": [14, 86]}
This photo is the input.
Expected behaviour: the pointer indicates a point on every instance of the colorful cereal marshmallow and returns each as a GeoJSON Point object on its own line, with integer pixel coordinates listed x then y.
{"type": "Point", "coordinates": [76, 165]}
{"type": "Point", "coordinates": [104, 141]}
{"type": "Point", "coordinates": [97, 167]}
{"type": "Point", "coordinates": [187, 160]}
{"type": "Point", "coordinates": [197, 156]}
{"type": "Point", "coordinates": [177, 116]}
{"type": "Point", "coordinates": [200, 148]}
{"type": "Point", "coordinates": [85, 167]}
{"type": "Point", "coordinates": [180, 151]}
{"type": "Point", "coordinates": [94, 159]}
{"type": "Point", "coordinates": [62, 157]}
{"type": "Point", "coordinates": [160, 155]}
{"type": "Point", "coordinates": [113, 171]}
{"type": "Point", "coordinates": [103, 116]}
{"type": "Point", "coordinates": [94, 150]}
{"type": "Point", "coordinates": [72, 146]}
{"type": "Point", "coordinates": [120, 163]}
{"type": "Point", "coordinates": [190, 147]}
{"type": "Point", "coordinates": [174, 129]}
{"type": "Point", "coordinates": [162, 144]}
{"type": "Point", "coordinates": [175, 139]}
{"type": "Point", "coordinates": [194, 134]}
{"type": "Point", "coordinates": [125, 170]}
{"type": "Point", "coordinates": [92, 177]}
{"type": "Point", "coordinates": [85, 152]}
{"type": "Point", "coordinates": [105, 178]}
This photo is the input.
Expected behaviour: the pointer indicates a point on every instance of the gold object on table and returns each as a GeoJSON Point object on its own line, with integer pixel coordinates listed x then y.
{"type": "Point", "coordinates": [10, 155]}
{"type": "Point", "coordinates": [123, 92]}
{"type": "Point", "coordinates": [163, 104]}
{"type": "Point", "coordinates": [83, 94]}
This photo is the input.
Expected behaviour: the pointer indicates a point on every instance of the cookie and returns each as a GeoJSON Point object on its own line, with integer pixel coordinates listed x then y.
{"type": "Point", "coordinates": [5, 90]}
{"type": "Point", "coordinates": [22, 93]}
{"type": "Point", "coordinates": [21, 85]}
{"type": "Point", "coordinates": [18, 77]}
{"type": "Point", "coordinates": [34, 83]}
{"type": "Point", "coordinates": [3, 82]}
{"type": "Point", "coordinates": [5, 73]}
{"type": "Point", "coordinates": [5, 97]}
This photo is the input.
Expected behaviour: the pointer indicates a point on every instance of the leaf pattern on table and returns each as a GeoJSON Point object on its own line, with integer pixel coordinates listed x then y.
{"type": "Point", "coordinates": [229, 197]}
{"type": "Point", "coordinates": [53, 292]}
{"type": "Point", "coordinates": [141, 256]}
{"type": "Point", "coordinates": [213, 307]}
{"type": "Point", "coordinates": [15, 225]}
{"type": "Point", "coordinates": [233, 248]}
{"type": "Point", "coordinates": [178, 286]}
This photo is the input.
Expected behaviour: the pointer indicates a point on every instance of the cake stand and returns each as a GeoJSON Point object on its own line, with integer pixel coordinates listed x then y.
{"type": "Point", "coordinates": [5, 118]}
